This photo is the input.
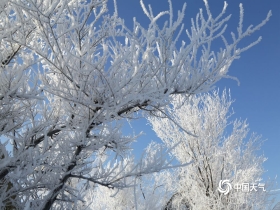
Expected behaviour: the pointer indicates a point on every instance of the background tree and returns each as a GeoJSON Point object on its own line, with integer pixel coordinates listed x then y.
{"type": "Point", "coordinates": [70, 73]}
{"type": "Point", "coordinates": [222, 151]}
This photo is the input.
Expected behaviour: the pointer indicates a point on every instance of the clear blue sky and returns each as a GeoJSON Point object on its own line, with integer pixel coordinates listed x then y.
{"type": "Point", "coordinates": [258, 70]}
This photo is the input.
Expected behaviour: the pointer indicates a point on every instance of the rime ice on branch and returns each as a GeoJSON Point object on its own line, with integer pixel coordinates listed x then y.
{"type": "Point", "coordinates": [70, 72]}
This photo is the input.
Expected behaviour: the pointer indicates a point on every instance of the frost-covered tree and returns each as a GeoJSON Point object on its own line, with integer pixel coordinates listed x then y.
{"type": "Point", "coordinates": [148, 191]}
{"type": "Point", "coordinates": [222, 150]}
{"type": "Point", "coordinates": [71, 71]}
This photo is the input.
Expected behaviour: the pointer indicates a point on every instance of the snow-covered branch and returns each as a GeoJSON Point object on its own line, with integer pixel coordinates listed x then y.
{"type": "Point", "coordinates": [70, 72]}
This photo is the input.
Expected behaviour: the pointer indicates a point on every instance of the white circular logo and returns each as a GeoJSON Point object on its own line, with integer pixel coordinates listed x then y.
{"type": "Point", "coordinates": [224, 187]}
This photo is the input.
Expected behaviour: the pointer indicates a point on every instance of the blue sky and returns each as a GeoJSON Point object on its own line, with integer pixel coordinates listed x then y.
{"type": "Point", "coordinates": [258, 69]}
